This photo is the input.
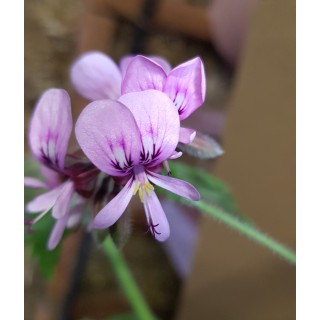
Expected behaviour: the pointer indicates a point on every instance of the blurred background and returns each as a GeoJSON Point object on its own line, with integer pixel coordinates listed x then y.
{"type": "Point", "coordinates": [248, 49]}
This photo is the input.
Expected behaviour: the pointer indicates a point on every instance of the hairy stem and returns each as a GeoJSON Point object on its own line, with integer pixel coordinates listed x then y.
{"type": "Point", "coordinates": [244, 228]}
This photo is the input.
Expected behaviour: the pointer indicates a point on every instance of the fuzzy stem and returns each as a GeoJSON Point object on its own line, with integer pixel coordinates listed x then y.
{"type": "Point", "coordinates": [244, 228]}
{"type": "Point", "coordinates": [126, 281]}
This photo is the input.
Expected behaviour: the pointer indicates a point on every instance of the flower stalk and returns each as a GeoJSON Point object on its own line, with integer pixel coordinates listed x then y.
{"type": "Point", "coordinates": [127, 281]}
{"type": "Point", "coordinates": [244, 228]}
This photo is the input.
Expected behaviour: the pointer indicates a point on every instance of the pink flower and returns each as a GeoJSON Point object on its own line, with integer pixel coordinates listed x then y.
{"type": "Point", "coordinates": [129, 139]}
{"type": "Point", "coordinates": [95, 76]}
{"type": "Point", "coordinates": [50, 130]}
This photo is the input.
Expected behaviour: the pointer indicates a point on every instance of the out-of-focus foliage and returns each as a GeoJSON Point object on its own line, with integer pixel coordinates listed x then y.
{"type": "Point", "coordinates": [212, 190]}
{"type": "Point", "coordinates": [124, 316]}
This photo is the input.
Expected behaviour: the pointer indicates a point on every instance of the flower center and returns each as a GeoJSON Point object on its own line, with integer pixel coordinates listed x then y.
{"type": "Point", "coordinates": [143, 186]}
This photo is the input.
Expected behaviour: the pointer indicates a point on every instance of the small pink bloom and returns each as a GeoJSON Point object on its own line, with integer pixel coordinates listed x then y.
{"type": "Point", "coordinates": [49, 135]}
{"type": "Point", "coordinates": [129, 139]}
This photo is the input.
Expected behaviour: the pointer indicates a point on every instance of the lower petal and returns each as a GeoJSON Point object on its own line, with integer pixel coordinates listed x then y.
{"type": "Point", "coordinates": [61, 207]}
{"type": "Point", "coordinates": [115, 208]}
{"type": "Point", "coordinates": [177, 186]}
{"type": "Point", "coordinates": [34, 183]}
{"type": "Point", "coordinates": [186, 135]}
{"type": "Point", "coordinates": [44, 201]}
{"type": "Point", "coordinates": [57, 232]}
{"type": "Point", "coordinates": [76, 213]}
{"type": "Point", "coordinates": [157, 220]}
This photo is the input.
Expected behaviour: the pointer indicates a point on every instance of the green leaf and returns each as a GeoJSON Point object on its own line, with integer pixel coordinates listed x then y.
{"type": "Point", "coordinates": [211, 189]}
{"type": "Point", "coordinates": [36, 242]}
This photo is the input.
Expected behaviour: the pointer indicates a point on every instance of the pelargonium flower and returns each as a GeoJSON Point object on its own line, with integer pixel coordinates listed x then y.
{"type": "Point", "coordinates": [129, 139]}
{"type": "Point", "coordinates": [49, 134]}
{"type": "Point", "coordinates": [96, 76]}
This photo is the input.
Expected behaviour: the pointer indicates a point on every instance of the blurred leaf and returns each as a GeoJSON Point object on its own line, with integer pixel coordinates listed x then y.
{"type": "Point", "coordinates": [211, 189]}
{"type": "Point", "coordinates": [37, 241]}
{"type": "Point", "coordinates": [125, 316]}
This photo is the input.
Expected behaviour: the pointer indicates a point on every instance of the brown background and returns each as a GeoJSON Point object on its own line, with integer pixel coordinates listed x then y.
{"type": "Point", "coordinates": [244, 281]}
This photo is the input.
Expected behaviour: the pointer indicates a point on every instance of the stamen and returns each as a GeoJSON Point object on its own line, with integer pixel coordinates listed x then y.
{"type": "Point", "coordinates": [148, 188]}
{"type": "Point", "coordinates": [141, 195]}
{"type": "Point", "coordinates": [136, 188]}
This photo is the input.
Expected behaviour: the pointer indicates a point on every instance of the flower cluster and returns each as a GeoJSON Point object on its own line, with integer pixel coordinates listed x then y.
{"type": "Point", "coordinates": [126, 134]}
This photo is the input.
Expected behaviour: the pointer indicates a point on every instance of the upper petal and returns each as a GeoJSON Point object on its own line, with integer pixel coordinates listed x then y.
{"type": "Point", "coordinates": [95, 76]}
{"type": "Point", "coordinates": [50, 128]}
{"type": "Point", "coordinates": [186, 86]}
{"type": "Point", "coordinates": [142, 74]}
{"type": "Point", "coordinates": [158, 122]}
{"type": "Point", "coordinates": [166, 66]}
{"type": "Point", "coordinates": [157, 220]}
{"type": "Point", "coordinates": [108, 134]}
{"type": "Point", "coordinates": [124, 62]}
{"type": "Point", "coordinates": [115, 208]}
{"type": "Point", "coordinates": [177, 186]}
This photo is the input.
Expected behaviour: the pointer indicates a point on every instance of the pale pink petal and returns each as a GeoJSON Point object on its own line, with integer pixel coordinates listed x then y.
{"type": "Point", "coordinates": [95, 76]}
{"type": "Point", "coordinates": [186, 86]}
{"type": "Point", "coordinates": [158, 122]}
{"type": "Point", "coordinates": [166, 66]}
{"type": "Point", "coordinates": [108, 134]}
{"type": "Point", "coordinates": [62, 205]}
{"type": "Point", "coordinates": [57, 232]}
{"type": "Point", "coordinates": [34, 183]}
{"type": "Point", "coordinates": [76, 213]}
{"type": "Point", "coordinates": [124, 62]}
{"type": "Point", "coordinates": [177, 186]}
{"type": "Point", "coordinates": [157, 220]}
{"type": "Point", "coordinates": [44, 201]}
{"type": "Point", "coordinates": [143, 74]}
{"type": "Point", "coordinates": [52, 178]}
{"type": "Point", "coordinates": [50, 128]}
{"type": "Point", "coordinates": [187, 135]}
{"type": "Point", "coordinates": [115, 208]}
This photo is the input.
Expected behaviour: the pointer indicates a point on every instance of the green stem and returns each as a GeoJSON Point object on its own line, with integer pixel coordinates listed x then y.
{"type": "Point", "coordinates": [244, 228]}
{"type": "Point", "coordinates": [126, 281]}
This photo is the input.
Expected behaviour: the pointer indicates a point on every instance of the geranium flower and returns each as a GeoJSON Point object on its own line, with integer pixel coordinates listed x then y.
{"type": "Point", "coordinates": [95, 76]}
{"type": "Point", "coordinates": [49, 134]}
{"type": "Point", "coordinates": [129, 139]}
